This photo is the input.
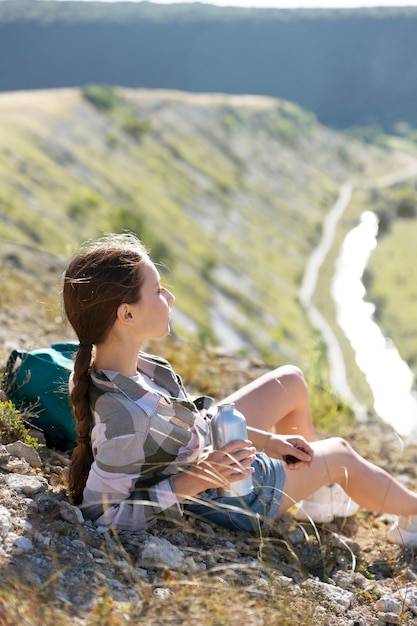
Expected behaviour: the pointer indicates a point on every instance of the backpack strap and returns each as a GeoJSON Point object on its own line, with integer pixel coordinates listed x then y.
{"type": "Point", "coordinates": [10, 370]}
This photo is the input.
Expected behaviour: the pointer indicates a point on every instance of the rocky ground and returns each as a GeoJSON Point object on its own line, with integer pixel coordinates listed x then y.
{"type": "Point", "coordinates": [348, 572]}
{"type": "Point", "coordinates": [344, 573]}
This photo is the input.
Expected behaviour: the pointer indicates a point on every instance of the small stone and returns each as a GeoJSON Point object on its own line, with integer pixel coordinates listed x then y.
{"type": "Point", "coordinates": [161, 551]}
{"type": "Point", "coordinates": [71, 513]}
{"type": "Point", "coordinates": [4, 455]}
{"type": "Point", "coordinates": [335, 597]}
{"type": "Point", "coordinates": [386, 604]}
{"type": "Point", "coordinates": [344, 580]}
{"type": "Point", "coordinates": [296, 536]}
{"type": "Point", "coordinates": [98, 554]}
{"type": "Point", "coordinates": [208, 529]}
{"type": "Point", "coordinates": [20, 449]}
{"type": "Point", "coordinates": [28, 485]}
{"type": "Point", "coordinates": [33, 578]}
{"type": "Point", "coordinates": [408, 596]}
{"type": "Point", "coordinates": [18, 466]}
{"type": "Point", "coordinates": [389, 618]}
{"type": "Point", "coordinates": [23, 525]}
{"type": "Point", "coordinates": [284, 581]}
{"type": "Point", "coordinates": [5, 521]}
{"type": "Point", "coordinates": [20, 545]}
{"type": "Point", "coordinates": [162, 593]}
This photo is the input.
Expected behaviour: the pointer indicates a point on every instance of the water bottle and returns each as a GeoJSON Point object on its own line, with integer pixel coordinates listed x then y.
{"type": "Point", "coordinates": [228, 424]}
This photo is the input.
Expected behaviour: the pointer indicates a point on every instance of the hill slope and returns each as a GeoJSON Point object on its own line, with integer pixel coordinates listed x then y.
{"type": "Point", "coordinates": [229, 192]}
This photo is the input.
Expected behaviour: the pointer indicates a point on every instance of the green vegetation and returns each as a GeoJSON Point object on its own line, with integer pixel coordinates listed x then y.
{"type": "Point", "coordinates": [373, 135]}
{"type": "Point", "coordinates": [234, 211]}
{"type": "Point", "coordinates": [136, 128]}
{"type": "Point", "coordinates": [350, 68]}
{"type": "Point", "coordinates": [229, 198]}
{"type": "Point", "coordinates": [391, 272]}
{"type": "Point", "coordinates": [12, 425]}
{"type": "Point", "coordinates": [104, 97]}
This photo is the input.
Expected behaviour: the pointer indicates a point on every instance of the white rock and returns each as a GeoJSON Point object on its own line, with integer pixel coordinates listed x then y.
{"type": "Point", "coordinates": [18, 466]}
{"type": "Point", "coordinates": [28, 485]}
{"type": "Point", "coordinates": [23, 544]}
{"type": "Point", "coordinates": [339, 599]}
{"type": "Point", "coordinates": [20, 449]}
{"type": "Point", "coordinates": [71, 513]}
{"type": "Point", "coordinates": [387, 604]}
{"type": "Point", "coordinates": [18, 544]}
{"type": "Point", "coordinates": [389, 618]}
{"type": "Point", "coordinates": [5, 521]}
{"type": "Point", "coordinates": [22, 524]}
{"type": "Point", "coordinates": [408, 595]}
{"type": "Point", "coordinates": [162, 593]}
{"type": "Point", "coordinates": [344, 580]}
{"type": "Point", "coordinates": [160, 551]}
{"type": "Point", "coordinates": [4, 455]}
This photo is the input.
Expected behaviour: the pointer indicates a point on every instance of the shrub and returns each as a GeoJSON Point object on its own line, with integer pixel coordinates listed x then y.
{"type": "Point", "coordinates": [160, 252]}
{"type": "Point", "coordinates": [83, 203]}
{"type": "Point", "coordinates": [103, 97]}
{"type": "Point", "coordinates": [124, 219]}
{"type": "Point", "coordinates": [406, 202]}
{"type": "Point", "coordinates": [206, 336]}
{"type": "Point", "coordinates": [135, 127]}
{"type": "Point", "coordinates": [373, 135]}
{"type": "Point", "coordinates": [12, 426]}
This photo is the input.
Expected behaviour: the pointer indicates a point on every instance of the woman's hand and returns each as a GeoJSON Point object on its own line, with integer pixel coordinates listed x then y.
{"type": "Point", "coordinates": [230, 463]}
{"type": "Point", "coordinates": [227, 465]}
{"type": "Point", "coordinates": [293, 446]}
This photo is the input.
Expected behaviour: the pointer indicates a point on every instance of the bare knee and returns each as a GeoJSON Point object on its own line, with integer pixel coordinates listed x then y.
{"type": "Point", "coordinates": [342, 446]}
{"type": "Point", "coordinates": [341, 459]}
{"type": "Point", "coordinates": [292, 379]}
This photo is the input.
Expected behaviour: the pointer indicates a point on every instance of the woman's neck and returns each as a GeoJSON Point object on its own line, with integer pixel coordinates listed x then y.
{"type": "Point", "coordinates": [118, 357]}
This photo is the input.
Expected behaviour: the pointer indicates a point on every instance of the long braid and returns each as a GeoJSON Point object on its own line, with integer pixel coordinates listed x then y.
{"type": "Point", "coordinates": [82, 456]}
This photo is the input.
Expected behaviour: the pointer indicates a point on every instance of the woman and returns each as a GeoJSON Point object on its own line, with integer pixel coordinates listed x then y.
{"type": "Point", "coordinates": [144, 445]}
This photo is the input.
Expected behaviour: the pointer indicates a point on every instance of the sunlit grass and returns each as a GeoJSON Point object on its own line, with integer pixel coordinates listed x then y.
{"type": "Point", "coordinates": [393, 287]}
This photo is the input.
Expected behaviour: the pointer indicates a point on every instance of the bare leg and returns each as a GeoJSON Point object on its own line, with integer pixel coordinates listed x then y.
{"type": "Point", "coordinates": [278, 401]}
{"type": "Point", "coordinates": [368, 485]}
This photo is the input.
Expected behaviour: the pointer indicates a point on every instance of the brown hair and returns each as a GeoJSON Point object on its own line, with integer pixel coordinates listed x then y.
{"type": "Point", "coordinates": [103, 275]}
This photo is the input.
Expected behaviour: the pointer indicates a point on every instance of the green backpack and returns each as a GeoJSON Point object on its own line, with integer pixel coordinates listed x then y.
{"type": "Point", "coordinates": [37, 383]}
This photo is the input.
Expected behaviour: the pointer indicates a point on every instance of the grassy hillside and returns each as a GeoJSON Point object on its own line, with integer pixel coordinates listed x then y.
{"type": "Point", "coordinates": [229, 193]}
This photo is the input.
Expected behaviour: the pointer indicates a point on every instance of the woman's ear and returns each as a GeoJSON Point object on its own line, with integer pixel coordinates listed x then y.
{"type": "Point", "coordinates": [124, 313]}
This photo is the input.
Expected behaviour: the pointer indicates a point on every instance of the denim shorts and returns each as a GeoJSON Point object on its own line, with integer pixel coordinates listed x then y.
{"type": "Point", "coordinates": [249, 512]}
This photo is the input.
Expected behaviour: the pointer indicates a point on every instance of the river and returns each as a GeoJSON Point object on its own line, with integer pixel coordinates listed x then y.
{"type": "Point", "coordinates": [389, 377]}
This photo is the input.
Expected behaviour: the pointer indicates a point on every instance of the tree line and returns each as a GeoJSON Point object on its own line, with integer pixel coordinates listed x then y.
{"type": "Point", "coordinates": [354, 67]}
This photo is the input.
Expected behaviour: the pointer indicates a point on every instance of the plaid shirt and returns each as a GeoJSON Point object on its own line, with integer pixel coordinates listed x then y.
{"type": "Point", "coordinates": [140, 440]}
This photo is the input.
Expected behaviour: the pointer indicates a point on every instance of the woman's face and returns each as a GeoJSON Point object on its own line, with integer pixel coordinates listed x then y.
{"type": "Point", "coordinates": [154, 306]}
